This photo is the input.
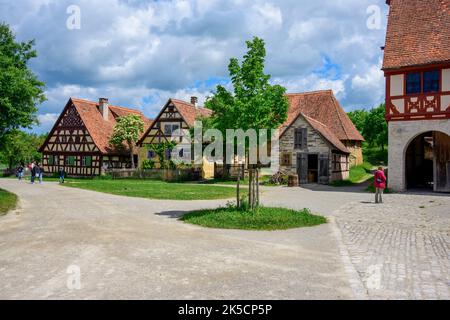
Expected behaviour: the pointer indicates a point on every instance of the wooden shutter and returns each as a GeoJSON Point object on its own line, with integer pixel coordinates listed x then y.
{"type": "Point", "coordinates": [298, 138]}
{"type": "Point", "coordinates": [304, 138]}
{"type": "Point", "coordinates": [324, 169]}
{"type": "Point", "coordinates": [302, 167]}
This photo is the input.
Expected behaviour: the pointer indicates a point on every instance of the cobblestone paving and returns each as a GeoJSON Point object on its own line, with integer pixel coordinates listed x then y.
{"type": "Point", "coordinates": [400, 249]}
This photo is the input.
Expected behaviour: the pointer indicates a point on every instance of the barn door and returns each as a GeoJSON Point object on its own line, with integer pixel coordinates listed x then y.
{"type": "Point", "coordinates": [324, 169]}
{"type": "Point", "coordinates": [302, 167]}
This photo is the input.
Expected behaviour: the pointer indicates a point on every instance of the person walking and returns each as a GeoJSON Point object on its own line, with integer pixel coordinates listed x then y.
{"type": "Point", "coordinates": [40, 172]}
{"type": "Point", "coordinates": [380, 184]}
{"type": "Point", "coordinates": [33, 172]}
{"type": "Point", "coordinates": [20, 171]}
{"type": "Point", "coordinates": [62, 174]}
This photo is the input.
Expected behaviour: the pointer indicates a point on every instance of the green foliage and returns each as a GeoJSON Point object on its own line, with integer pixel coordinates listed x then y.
{"type": "Point", "coordinates": [18, 146]}
{"type": "Point", "coordinates": [261, 218]}
{"type": "Point", "coordinates": [148, 164]}
{"type": "Point", "coordinates": [8, 201]}
{"type": "Point", "coordinates": [160, 151]}
{"type": "Point", "coordinates": [254, 103]}
{"type": "Point", "coordinates": [375, 155]}
{"type": "Point", "coordinates": [128, 129]}
{"type": "Point", "coordinates": [372, 125]}
{"type": "Point", "coordinates": [358, 174]}
{"type": "Point", "coordinates": [20, 90]}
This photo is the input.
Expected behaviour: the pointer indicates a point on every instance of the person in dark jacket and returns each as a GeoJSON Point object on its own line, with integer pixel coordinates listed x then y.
{"type": "Point", "coordinates": [33, 169]}
{"type": "Point", "coordinates": [40, 172]}
{"type": "Point", "coordinates": [380, 184]}
{"type": "Point", "coordinates": [62, 175]}
{"type": "Point", "coordinates": [20, 171]}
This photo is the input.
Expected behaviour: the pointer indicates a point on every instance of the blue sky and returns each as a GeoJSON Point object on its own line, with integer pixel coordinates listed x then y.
{"type": "Point", "coordinates": [140, 53]}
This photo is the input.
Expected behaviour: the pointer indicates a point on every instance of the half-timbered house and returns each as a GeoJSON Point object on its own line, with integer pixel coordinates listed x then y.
{"type": "Point", "coordinates": [318, 141]}
{"type": "Point", "coordinates": [79, 140]}
{"type": "Point", "coordinates": [417, 70]}
{"type": "Point", "coordinates": [174, 117]}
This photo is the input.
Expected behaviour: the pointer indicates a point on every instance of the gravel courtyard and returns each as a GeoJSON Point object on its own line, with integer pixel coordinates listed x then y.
{"type": "Point", "coordinates": [130, 248]}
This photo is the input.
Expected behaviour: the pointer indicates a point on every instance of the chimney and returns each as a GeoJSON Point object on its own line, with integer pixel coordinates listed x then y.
{"type": "Point", "coordinates": [194, 101]}
{"type": "Point", "coordinates": [103, 106]}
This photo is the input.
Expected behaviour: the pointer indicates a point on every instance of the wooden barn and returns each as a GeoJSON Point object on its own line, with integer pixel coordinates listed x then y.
{"type": "Point", "coordinates": [79, 140]}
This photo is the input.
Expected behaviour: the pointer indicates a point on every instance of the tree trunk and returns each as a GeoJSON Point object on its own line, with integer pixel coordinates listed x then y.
{"type": "Point", "coordinates": [132, 156]}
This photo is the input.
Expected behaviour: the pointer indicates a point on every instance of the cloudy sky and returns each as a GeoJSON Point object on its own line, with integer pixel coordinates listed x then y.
{"type": "Point", "coordinates": [139, 53]}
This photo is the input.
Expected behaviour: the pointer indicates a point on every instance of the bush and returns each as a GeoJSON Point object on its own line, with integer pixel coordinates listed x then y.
{"type": "Point", "coordinates": [148, 164]}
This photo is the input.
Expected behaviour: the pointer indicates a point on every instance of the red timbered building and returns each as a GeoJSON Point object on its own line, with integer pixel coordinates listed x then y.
{"type": "Point", "coordinates": [417, 70]}
{"type": "Point", "coordinates": [79, 140]}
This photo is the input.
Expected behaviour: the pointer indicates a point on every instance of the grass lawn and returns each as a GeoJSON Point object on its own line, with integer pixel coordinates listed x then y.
{"type": "Point", "coordinates": [263, 218]}
{"type": "Point", "coordinates": [358, 174]}
{"type": "Point", "coordinates": [8, 201]}
{"type": "Point", "coordinates": [155, 189]}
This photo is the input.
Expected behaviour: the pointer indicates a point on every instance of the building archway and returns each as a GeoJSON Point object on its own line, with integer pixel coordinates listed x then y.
{"type": "Point", "coordinates": [427, 162]}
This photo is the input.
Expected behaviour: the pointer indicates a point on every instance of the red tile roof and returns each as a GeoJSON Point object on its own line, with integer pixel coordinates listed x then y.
{"type": "Point", "coordinates": [418, 33]}
{"type": "Point", "coordinates": [101, 130]}
{"type": "Point", "coordinates": [323, 107]}
{"type": "Point", "coordinates": [326, 133]}
{"type": "Point", "coordinates": [189, 112]}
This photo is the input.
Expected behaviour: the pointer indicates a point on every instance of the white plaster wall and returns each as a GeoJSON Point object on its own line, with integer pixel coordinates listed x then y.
{"type": "Point", "coordinates": [401, 133]}
{"type": "Point", "coordinates": [446, 80]}
{"type": "Point", "coordinates": [397, 85]}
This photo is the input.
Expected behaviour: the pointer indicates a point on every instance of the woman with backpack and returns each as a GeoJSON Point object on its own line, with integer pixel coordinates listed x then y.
{"type": "Point", "coordinates": [380, 184]}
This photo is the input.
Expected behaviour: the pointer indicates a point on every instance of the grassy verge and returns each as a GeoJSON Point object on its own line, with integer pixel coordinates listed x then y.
{"type": "Point", "coordinates": [8, 201]}
{"type": "Point", "coordinates": [263, 218]}
{"type": "Point", "coordinates": [358, 174]}
{"type": "Point", "coordinates": [155, 189]}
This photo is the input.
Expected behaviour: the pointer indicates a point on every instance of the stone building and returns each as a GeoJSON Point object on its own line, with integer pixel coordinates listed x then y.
{"type": "Point", "coordinates": [417, 70]}
{"type": "Point", "coordinates": [79, 140]}
{"type": "Point", "coordinates": [318, 142]}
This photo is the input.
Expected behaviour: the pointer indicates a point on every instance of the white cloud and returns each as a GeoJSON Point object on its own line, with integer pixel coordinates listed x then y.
{"type": "Point", "coordinates": [139, 53]}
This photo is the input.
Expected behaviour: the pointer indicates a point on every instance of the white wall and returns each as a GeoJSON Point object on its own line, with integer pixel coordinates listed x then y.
{"type": "Point", "coordinates": [401, 133]}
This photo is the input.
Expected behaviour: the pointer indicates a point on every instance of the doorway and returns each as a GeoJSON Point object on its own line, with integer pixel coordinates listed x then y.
{"type": "Point", "coordinates": [313, 168]}
{"type": "Point", "coordinates": [420, 162]}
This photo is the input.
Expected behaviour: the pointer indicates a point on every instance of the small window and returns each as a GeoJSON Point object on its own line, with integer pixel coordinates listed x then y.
{"type": "Point", "coordinates": [286, 159]}
{"type": "Point", "coordinates": [70, 161]}
{"type": "Point", "coordinates": [413, 83]}
{"type": "Point", "coordinates": [300, 138]}
{"type": "Point", "coordinates": [150, 154]}
{"type": "Point", "coordinates": [86, 161]}
{"type": "Point", "coordinates": [169, 129]}
{"type": "Point", "coordinates": [168, 154]}
{"type": "Point", "coordinates": [52, 160]}
{"type": "Point", "coordinates": [431, 81]}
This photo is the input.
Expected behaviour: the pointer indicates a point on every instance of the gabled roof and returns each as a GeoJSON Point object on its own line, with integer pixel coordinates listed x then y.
{"type": "Point", "coordinates": [323, 107]}
{"type": "Point", "coordinates": [99, 129]}
{"type": "Point", "coordinates": [326, 133]}
{"type": "Point", "coordinates": [418, 33]}
{"type": "Point", "coordinates": [188, 112]}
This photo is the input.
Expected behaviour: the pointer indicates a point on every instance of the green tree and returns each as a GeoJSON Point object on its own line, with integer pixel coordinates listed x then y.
{"type": "Point", "coordinates": [253, 104]}
{"type": "Point", "coordinates": [375, 129]}
{"type": "Point", "coordinates": [358, 118]}
{"type": "Point", "coordinates": [128, 130]}
{"type": "Point", "coordinates": [18, 146]}
{"type": "Point", "coordinates": [20, 90]}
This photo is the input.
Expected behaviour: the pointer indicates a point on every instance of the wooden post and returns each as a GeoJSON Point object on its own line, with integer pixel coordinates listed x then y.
{"type": "Point", "coordinates": [257, 187]}
{"type": "Point", "coordinates": [238, 200]}
{"type": "Point", "coordinates": [250, 187]}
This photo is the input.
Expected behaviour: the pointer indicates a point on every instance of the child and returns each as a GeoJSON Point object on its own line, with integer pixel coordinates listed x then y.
{"type": "Point", "coordinates": [380, 185]}
{"type": "Point", "coordinates": [20, 171]}
{"type": "Point", "coordinates": [62, 174]}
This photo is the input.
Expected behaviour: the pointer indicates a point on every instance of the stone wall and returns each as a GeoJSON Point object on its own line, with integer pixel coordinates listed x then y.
{"type": "Point", "coordinates": [316, 144]}
{"type": "Point", "coordinates": [401, 133]}
{"type": "Point", "coordinates": [356, 156]}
